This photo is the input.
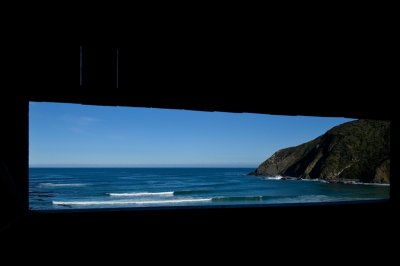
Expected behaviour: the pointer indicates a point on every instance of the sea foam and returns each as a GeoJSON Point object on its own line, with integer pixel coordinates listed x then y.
{"type": "Point", "coordinates": [126, 202]}
{"type": "Point", "coordinates": [278, 177]}
{"type": "Point", "coordinates": [141, 194]}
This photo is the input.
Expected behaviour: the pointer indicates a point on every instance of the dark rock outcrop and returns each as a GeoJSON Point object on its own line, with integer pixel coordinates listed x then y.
{"type": "Point", "coordinates": [358, 150]}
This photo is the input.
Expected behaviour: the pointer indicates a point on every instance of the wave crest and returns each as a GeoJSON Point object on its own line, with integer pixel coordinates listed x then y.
{"type": "Point", "coordinates": [127, 202]}
{"type": "Point", "coordinates": [141, 194]}
{"type": "Point", "coordinates": [62, 185]}
{"type": "Point", "coordinates": [278, 177]}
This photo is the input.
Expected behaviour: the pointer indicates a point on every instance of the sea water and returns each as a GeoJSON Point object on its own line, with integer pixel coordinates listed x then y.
{"type": "Point", "coordinates": [78, 188]}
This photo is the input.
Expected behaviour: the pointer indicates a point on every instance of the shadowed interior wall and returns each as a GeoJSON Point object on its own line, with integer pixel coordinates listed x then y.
{"type": "Point", "coordinates": [321, 88]}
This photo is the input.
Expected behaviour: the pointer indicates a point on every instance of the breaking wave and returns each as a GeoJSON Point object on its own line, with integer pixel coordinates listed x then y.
{"type": "Point", "coordinates": [127, 202]}
{"type": "Point", "coordinates": [62, 185]}
{"type": "Point", "coordinates": [141, 194]}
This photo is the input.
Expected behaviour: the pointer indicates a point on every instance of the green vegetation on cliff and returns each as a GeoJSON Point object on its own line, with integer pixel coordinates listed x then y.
{"type": "Point", "coordinates": [357, 150]}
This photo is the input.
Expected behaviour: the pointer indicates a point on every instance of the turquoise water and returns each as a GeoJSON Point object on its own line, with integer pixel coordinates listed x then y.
{"type": "Point", "coordinates": [77, 188]}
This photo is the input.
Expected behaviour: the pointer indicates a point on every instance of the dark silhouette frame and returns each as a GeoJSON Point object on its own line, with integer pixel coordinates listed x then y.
{"type": "Point", "coordinates": [230, 85]}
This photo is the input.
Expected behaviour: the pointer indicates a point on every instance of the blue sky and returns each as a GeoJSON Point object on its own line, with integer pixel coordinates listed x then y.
{"type": "Point", "coordinates": [87, 135]}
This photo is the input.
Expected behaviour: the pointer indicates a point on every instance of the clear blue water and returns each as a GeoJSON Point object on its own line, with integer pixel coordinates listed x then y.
{"type": "Point", "coordinates": [77, 188]}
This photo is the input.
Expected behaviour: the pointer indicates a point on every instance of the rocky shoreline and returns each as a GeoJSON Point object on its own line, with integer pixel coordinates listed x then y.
{"type": "Point", "coordinates": [337, 181]}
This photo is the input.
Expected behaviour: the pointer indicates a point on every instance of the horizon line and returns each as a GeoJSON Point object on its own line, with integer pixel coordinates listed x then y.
{"type": "Point", "coordinates": [142, 166]}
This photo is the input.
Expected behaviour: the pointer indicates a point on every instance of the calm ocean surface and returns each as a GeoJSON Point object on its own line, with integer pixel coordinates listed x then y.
{"type": "Point", "coordinates": [77, 188]}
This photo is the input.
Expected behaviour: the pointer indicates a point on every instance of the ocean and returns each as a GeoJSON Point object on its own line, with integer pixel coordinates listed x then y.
{"type": "Point", "coordinates": [81, 188]}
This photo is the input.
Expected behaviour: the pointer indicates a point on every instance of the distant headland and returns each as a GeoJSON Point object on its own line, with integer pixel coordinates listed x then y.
{"type": "Point", "coordinates": [356, 151]}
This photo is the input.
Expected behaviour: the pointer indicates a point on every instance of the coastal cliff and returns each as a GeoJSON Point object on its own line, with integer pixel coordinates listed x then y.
{"type": "Point", "coordinates": [357, 151]}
